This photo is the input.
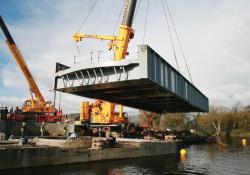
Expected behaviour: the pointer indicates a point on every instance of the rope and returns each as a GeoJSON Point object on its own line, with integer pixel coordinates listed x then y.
{"type": "Point", "coordinates": [145, 24]}
{"type": "Point", "coordinates": [118, 19]}
{"type": "Point", "coordinates": [171, 39]}
{"type": "Point", "coordinates": [86, 18]}
{"type": "Point", "coordinates": [136, 11]}
{"type": "Point", "coordinates": [77, 48]}
{"type": "Point", "coordinates": [179, 42]}
{"type": "Point", "coordinates": [83, 22]}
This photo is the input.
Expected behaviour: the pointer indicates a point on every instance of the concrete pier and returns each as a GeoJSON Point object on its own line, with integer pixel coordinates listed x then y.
{"type": "Point", "coordinates": [14, 156]}
{"type": "Point", "coordinates": [82, 143]}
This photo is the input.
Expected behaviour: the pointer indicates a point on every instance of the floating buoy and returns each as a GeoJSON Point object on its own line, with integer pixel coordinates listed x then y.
{"type": "Point", "coordinates": [182, 157]}
{"type": "Point", "coordinates": [222, 145]}
{"type": "Point", "coordinates": [183, 151]}
{"type": "Point", "coordinates": [244, 142]}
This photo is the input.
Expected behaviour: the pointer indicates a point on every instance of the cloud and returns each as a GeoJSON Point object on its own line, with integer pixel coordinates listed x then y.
{"type": "Point", "coordinates": [214, 37]}
{"type": "Point", "coordinates": [228, 95]}
{"type": "Point", "coordinates": [11, 101]}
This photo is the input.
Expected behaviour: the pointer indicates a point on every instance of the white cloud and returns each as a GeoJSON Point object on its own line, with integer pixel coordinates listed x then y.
{"type": "Point", "coordinates": [214, 35]}
{"type": "Point", "coordinates": [11, 101]}
{"type": "Point", "coordinates": [229, 95]}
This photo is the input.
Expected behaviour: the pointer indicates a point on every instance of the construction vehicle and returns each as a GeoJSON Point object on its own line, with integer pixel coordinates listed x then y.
{"type": "Point", "coordinates": [36, 105]}
{"type": "Point", "coordinates": [3, 113]}
{"type": "Point", "coordinates": [148, 123]}
{"type": "Point", "coordinates": [102, 113]}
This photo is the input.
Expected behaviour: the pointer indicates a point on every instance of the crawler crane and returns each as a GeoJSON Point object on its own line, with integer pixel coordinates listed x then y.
{"type": "Point", "coordinates": [36, 106]}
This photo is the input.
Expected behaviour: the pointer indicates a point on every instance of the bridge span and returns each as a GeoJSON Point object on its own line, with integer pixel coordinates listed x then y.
{"type": "Point", "coordinates": [148, 82]}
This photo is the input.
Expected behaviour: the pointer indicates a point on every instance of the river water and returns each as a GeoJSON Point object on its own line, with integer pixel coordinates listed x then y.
{"type": "Point", "coordinates": [233, 158]}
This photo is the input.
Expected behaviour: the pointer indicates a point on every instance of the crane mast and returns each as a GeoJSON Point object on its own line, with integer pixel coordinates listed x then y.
{"type": "Point", "coordinates": [120, 42]}
{"type": "Point", "coordinates": [36, 103]}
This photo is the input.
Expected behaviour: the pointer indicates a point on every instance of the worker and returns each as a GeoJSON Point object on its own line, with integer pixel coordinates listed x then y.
{"type": "Point", "coordinates": [55, 112]}
{"type": "Point", "coordinates": [107, 132]}
{"type": "Point", "coordinates": [42, 129]}
{"type": "Point", "coordinates": [17, 110]}
{"type": "Point", "coordinates": [100, 132]}
{"type": "Point", "coordinates": [11, 110]}
{"type": "Point", "coordinates": [23, 129]}
{"type": "Point", "coordinates": [65, 129]}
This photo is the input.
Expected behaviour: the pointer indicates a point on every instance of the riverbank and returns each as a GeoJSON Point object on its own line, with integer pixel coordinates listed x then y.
{"type": "Point", "coordinates": [240, 133]}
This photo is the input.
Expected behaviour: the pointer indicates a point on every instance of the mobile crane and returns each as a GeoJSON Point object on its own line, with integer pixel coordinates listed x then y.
{"type": "Point", "coordinates": [118, 43]}
{"type": "Point", "coordinates": [102, 112]}
{"type": "Point", "coordinates": [36, 105]}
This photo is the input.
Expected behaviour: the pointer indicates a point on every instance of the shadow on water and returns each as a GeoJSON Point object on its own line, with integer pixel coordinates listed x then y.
{"type": "Point", "coordinates": [150, 165]}
{"type": "Point", "coordinates": [232, 159]}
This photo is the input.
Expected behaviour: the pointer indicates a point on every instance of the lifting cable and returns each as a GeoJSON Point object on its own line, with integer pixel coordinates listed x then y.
{"type": "Point", "coordinates": [145, 24]}
{"type": "Point", "coordinates": [169, 32]}
{"type": "Point", "coordinates": [118, 19]}
{"type": "Point", "coordinates": [116, 25]}
{"type": "Point", "coordinates": [84, 21]}
{"type": "Point", "coordinates": [179, 42]}
{"type": "Point", "coordinates": [78, 49]}
{"type": "Point", "coordinates": [136, 11]}
{"type": "Point", "coordinates": [86, 18]}
{"type": "Point", "coordinates": [134, 19]}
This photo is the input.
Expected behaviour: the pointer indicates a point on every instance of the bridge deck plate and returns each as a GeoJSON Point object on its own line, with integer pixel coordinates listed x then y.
{"type": "Point", "coordinates": [147, 83]}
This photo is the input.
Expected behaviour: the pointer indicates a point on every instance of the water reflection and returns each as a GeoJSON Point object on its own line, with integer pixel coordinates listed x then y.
{"type": "Point", "coordinates": [201, 159]}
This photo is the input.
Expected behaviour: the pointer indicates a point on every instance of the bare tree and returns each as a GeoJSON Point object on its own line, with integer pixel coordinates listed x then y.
{"type": "Point", "coordinates": [216, 115]}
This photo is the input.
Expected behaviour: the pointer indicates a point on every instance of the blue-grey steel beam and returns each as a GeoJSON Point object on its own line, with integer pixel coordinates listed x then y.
{"type": "Point", "coordinates": [147, 82]}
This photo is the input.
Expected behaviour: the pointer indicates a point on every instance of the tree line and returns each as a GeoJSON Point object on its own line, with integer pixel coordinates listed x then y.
{"type": "Point", "coordinates": [221, 121]}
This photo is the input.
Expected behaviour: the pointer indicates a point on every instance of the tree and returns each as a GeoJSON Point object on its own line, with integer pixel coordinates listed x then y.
{"type": "Point", "coordinates": [174, 121]}
{"type": "Point", "coordinates": [149, 119]}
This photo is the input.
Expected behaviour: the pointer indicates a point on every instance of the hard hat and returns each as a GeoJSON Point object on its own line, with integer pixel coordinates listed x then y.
{"type": "Point", "coordinates": [23, 123]}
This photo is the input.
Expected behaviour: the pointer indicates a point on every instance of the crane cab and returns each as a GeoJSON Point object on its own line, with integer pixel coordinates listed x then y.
{"type": "Point", "coordinates": [32, 105]}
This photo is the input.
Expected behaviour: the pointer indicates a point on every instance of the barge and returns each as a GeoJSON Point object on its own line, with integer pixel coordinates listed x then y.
{"type": "Point", "coordinates": [16, 156]}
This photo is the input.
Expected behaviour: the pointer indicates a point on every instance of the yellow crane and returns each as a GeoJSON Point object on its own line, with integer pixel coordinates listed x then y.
{"type": "Point", "coordinates": [36, 104]}
{"type": "Point", "coordinates": [119, 44]}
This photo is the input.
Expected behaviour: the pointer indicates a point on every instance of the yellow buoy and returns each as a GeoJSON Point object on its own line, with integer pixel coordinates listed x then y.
{"type": "Point", "coordinates": [222, 145]}
{"type": "Point", "coordinates": [244, 142]}
{"type": "Point", "coordinates": [183, 151]}
{"type": "Point", "coordinates": [182, 157]}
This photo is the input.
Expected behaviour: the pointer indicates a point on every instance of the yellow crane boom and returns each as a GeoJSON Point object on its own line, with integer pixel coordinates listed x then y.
{"type": "Point", "coordinates": [24, 69]}
{"type": "Point", "coordinates": [120, 42]}
{"type": "Point", "coordinates": [36, 103]}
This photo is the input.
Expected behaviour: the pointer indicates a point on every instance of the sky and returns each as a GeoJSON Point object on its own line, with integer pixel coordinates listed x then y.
{"type": "Point", "coordinates": [214, 36]}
